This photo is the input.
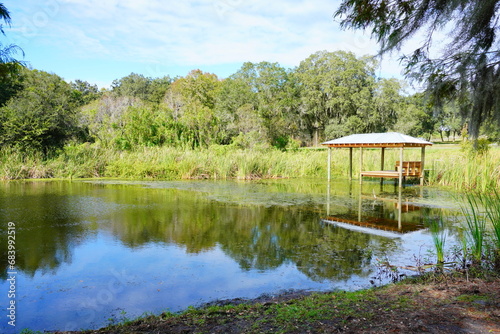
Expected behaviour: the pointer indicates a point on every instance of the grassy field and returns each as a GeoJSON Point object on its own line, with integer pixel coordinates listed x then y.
{"type": "Point", "coordinates": [447, 165]}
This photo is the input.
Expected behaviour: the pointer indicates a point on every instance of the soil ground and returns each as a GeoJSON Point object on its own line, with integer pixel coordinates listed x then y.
{"type": "Point", "coordinates": [441, 305]}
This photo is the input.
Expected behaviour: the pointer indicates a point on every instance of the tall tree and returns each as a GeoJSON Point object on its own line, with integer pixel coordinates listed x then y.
{"type": "Point", "coordinates": [466, 69]}
{"type": "Point", "coordinates": [273, 98]}
{"type": "Point", "coordinates": [336, 89]}
{"type": "Point", "coordinates": [41, 116]}
{"type": "Point", "coordinates": [192, 101]}
{"type": "Point", "coordinates": [85, 92]}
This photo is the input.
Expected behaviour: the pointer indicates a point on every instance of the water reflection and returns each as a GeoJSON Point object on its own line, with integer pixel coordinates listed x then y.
{"type": "Point", "coordinates": [63, 214]}
{"type": "Point", "coordinates": [48, 225]}
{"type": "Point", "coordinates": [203, 239]}
{"type": "Point", "coordinates": [380, 213]}
{"type": "Point", "coordinates": [256, 237]}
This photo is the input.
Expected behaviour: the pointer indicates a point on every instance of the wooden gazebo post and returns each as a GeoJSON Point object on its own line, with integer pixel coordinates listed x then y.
{"type": "Point", "coordinates": [401, 156]}
{"type": "Point", "coordinates": [360, 164]}
{"type": "Point", "coordinates": [329, 163]}
{"type": "Point", "coordinates": [422, 166]}
{"type": "Point", "coordinates": [350, 163]}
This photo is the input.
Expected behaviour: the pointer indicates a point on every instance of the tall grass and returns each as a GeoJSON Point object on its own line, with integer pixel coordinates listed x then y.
{"type": "Point", "coordinates": [476, 226]}
{"type": "Point", "coordinates": [446, 166]}
{"type": "Point", "coordinates": [463, 171]}
{"type": "Point", "coordinates": [491, 204]}
{"type": "Point", "coordinates": [438, 238]}
{"type": "Point", "coordinates": [27, 165]}
{"type": "Point", "coordinates": [217, 162]}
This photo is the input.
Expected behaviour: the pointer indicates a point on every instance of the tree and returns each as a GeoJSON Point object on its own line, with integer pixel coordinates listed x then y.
{"type": "Point", "coordinates": [334, 86]}
{"type": "Point", "coordinates": [105, 118]}
{"type": "Point", "coordinates": [192, 100]}
{"type": "Point", "coordinates": [41, 116]}
{"type": "Point", "coordinates": [467, 68]}
{"type": "Point", "coordinates": [85, 92]}
{"type": "Point", "coordinates": [137, 85]}
{"type": "Point", "coordinates": [236, 107]}
{"type": "Point", "coordinates": [10, 81]}
{"type": "Point", "coordinates": [388, 100]}
{"type": "Point", "coordinates": [414, 117]}
{"type": "Point", "coordinates": [266, 90]}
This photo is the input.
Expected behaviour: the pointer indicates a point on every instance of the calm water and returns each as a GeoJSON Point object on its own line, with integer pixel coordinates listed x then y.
{"type": "Point", "coordinates": [90, 252]}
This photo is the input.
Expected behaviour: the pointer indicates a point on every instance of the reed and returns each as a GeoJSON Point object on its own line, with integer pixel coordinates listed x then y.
{"type": "Point", "coordinates": [476, 226]}
{"type": "Point", "coordinates": [463, 171]}
{"type": "Point", "coordinates": [447, 166]}
{"type": "Point", "coordinates": [22, 165]}
{"type": "Point", "coordinates": [438, 238]}
{"type": "Point", "coordinates": [491, 204]}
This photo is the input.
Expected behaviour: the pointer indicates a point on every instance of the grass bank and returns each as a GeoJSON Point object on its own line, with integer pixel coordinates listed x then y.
{"type": "Point", "coordinates": [443, 304]}
{"type": "Point", "coordinates": [446, 165]}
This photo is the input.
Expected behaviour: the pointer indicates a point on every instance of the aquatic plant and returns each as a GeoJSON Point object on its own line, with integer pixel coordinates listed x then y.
{"type": "Point", "coordinates": [476, 226]}
{"type": "Point", "coordinates": [438, 238]}
{"type": "Point", "coordinates": [491, 204]}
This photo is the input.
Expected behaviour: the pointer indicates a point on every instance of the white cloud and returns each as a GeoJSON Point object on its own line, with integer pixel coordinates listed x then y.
{"type": "Point", "coordinates": [199, 33]}
{"type": "Point", "coordinates": [195, 33]}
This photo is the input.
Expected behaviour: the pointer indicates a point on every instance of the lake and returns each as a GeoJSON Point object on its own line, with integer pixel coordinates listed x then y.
{"type": "Point", "coordinates": [92, 252]}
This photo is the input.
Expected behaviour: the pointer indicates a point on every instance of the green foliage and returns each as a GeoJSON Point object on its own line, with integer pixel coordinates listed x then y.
{"type": "Point", "coordinates": [139, 86]}
{"type": "Point", "coordinates": [84, 92]}
{"type": "Point", "coordinates": [436, 226]}
{"type": "Point", "coordinates": [479, 146]}
{"type": "Point", "coordinates": [476, 226]}
{"type": "Point", "coordinates": [335, 86]}
{"type": "Point", "coordinates": [192, 101]}
{"type": "Point", "coordinates": [465, 69]}
{"type": "Point", "coordinates": [263, 105]}
{"type": "Point", "coordinates": [23, 165]}
{"type": "Point", "coordinates": [41, 116]}
{"type": "Point", "coordinates": [10, 81]}
{"type": "Point", "coordinates": [104, 116]}
{"type": "Point", "coordinates": [270, 93]}
{"type": "Point", "coordinates": [491, 203]}
{"type": "Point", "coordinates": [143, 126]}
{"type": "Point", "coordinates": [474, 172]}
{"type": "Point", "coordinates": [414, 117]}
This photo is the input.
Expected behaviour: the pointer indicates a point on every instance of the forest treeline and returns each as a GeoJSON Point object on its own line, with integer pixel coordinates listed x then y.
{"type": "Point", "coordinates": [329, 95]}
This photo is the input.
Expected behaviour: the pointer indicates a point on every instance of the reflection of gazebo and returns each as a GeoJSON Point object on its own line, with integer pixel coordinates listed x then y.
{"type": "Point", "coordinates": [377, 223]}
{"type": "Point", "coordinates": [383, 141]}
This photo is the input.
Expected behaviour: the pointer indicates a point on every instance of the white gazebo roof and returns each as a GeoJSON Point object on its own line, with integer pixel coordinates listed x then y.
{"type": "Point", "coordinates": [387, 139]}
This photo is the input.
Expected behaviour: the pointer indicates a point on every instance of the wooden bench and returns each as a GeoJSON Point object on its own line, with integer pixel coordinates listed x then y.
{"type": "Point", "coordinates": [410, 168]}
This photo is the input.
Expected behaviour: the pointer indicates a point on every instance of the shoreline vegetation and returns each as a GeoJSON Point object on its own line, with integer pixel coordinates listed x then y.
{"type": "Point", "coordinates": [446, 165]}
{"type": "Point", "coordinates": [425, 304]}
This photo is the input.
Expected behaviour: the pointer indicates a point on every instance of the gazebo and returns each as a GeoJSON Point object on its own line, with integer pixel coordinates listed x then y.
{"type": "Point", "coordinates": [383, 141]}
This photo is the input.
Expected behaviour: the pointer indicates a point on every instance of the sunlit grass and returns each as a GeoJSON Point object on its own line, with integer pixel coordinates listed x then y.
{"type": "Point", "coordinates": [445, 166]}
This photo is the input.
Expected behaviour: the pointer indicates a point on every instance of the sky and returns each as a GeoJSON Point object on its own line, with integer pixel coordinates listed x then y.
{"type": "Point", "coordinates": [102, 40]}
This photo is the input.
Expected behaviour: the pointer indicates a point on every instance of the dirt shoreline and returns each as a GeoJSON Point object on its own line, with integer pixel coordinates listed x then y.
{"type": "Point", "coordinates": [439, 305]}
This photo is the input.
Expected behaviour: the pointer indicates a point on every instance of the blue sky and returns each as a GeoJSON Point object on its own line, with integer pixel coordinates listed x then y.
{"type": "Point", "coordinates": [102, 40]}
